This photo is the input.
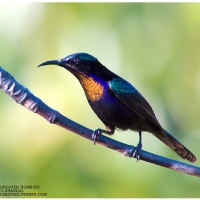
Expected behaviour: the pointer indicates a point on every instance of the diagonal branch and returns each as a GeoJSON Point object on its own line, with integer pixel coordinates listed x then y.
{"type": "Point", "coordinates": [24, 97]}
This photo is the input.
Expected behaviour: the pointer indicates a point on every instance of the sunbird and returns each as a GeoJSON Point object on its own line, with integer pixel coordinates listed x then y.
{"type": "Point", "coordinates": [117, 103]}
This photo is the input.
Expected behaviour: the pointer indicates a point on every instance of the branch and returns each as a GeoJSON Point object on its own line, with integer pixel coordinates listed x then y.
{"type": "Point", "coordinates": [24, 97]}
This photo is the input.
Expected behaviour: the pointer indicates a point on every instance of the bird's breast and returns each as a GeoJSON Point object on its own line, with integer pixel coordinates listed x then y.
{"type": "Point", "coordinates": [93, 89]}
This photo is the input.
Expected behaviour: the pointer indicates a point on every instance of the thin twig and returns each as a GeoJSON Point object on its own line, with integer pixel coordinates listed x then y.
{"type": "Point", "coordinates": [24, 97]}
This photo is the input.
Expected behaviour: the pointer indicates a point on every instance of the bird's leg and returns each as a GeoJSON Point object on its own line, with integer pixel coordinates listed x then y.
{"type": "Point", "coordinates": [99, 131]}
{"type": "Point", "coordinates": [138, 148]}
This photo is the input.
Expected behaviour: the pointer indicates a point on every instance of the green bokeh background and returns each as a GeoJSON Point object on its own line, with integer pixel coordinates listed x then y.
{"type": "Point", "coordinates": [155, 46]}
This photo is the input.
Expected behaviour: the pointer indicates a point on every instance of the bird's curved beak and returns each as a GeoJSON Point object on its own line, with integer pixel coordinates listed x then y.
{"type": "Point", "coordinates": [52, 62]}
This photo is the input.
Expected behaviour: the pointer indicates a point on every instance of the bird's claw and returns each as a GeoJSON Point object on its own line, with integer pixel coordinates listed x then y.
{"type": "Point", "coordinates": [135, 153]}
{"type": "Point", "coordinates": [95, 135]}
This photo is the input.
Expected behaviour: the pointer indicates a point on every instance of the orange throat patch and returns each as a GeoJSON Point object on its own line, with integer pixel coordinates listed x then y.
{"type": "Point", "coordinates": [92, 88]}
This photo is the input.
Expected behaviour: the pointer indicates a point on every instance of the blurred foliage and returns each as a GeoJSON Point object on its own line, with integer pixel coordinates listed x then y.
{"type": "Point", "coordinates": [155, 46]}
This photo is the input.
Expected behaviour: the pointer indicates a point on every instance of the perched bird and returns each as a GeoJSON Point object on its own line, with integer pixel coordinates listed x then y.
{"type": "Point", "coordinates": [116, 102]}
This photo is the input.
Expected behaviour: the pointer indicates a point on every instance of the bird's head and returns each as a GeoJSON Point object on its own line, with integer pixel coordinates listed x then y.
{"type": "Point", "coordinates": [81, 64]}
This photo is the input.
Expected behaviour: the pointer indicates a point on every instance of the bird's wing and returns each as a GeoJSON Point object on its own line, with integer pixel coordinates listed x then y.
{"type": "Point", "coordinates": [127, 94]}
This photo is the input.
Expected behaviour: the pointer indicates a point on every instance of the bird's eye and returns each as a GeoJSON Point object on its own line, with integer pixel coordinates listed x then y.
{"type": "Point", "coordinates": [75, 60]}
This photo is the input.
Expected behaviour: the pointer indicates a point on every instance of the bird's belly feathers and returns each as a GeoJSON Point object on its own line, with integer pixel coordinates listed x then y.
{"type": "Point", "coordinates": [114, 113]}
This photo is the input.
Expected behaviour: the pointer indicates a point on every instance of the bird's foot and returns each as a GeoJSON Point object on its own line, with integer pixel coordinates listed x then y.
{"type": "Point", "coordinates": [96, 134]}
{"type": "Point", "coordinates": [135, 152]}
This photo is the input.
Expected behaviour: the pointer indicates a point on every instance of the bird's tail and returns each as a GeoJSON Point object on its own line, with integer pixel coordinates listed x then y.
{"type": "Point", "coordinates": [176, 146]}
